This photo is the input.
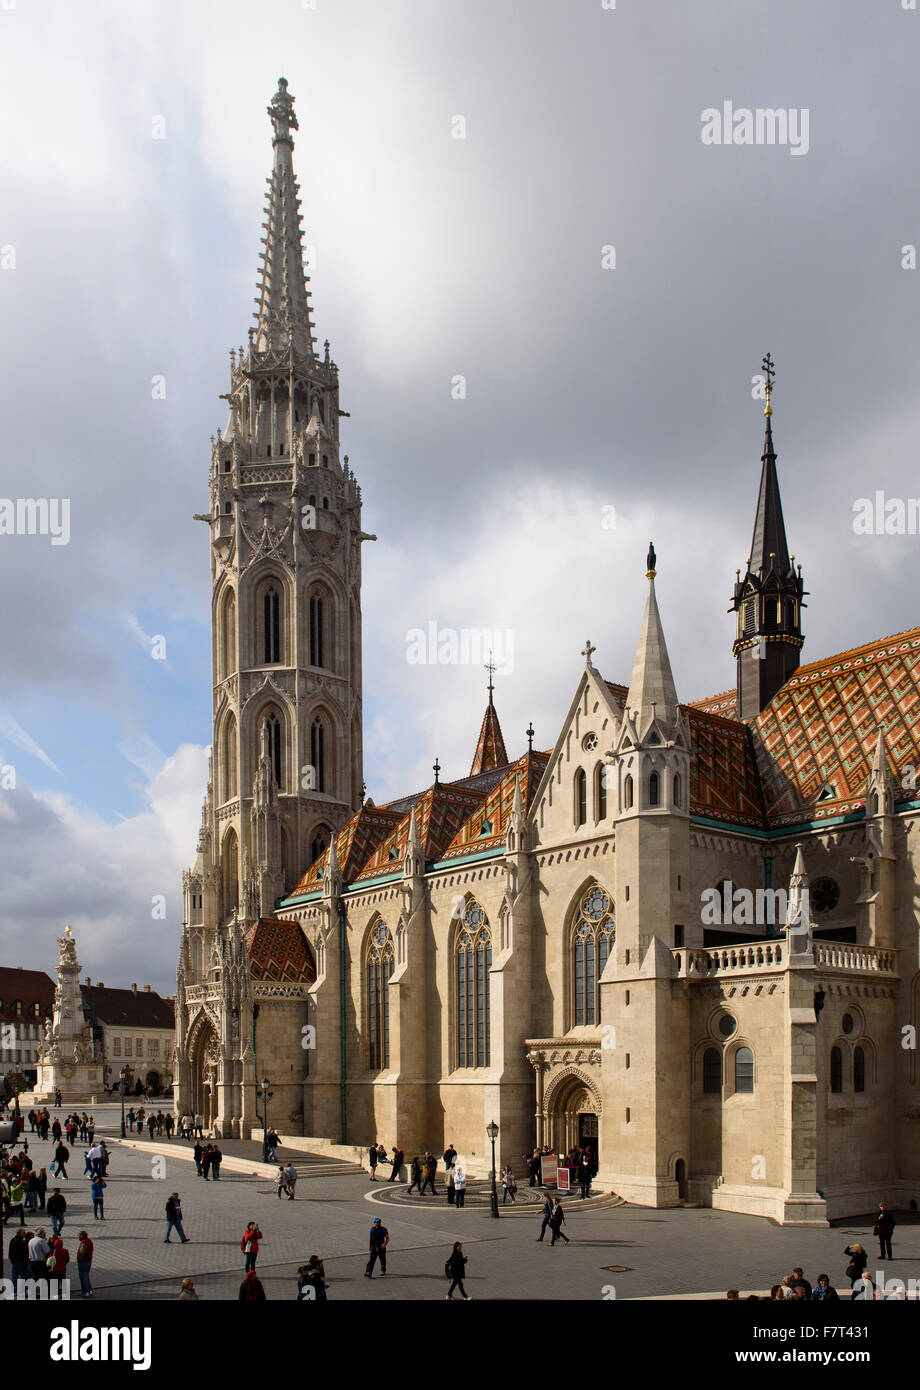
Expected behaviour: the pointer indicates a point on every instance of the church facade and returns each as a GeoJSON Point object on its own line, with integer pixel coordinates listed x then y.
{"type": "Point", "coordinates": [685, 935]}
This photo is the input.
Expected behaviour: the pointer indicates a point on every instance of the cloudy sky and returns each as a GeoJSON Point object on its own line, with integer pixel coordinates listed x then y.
{"type": "Point", "coordinates": [593, 392]}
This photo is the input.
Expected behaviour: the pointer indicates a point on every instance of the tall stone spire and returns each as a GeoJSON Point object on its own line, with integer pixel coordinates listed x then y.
{"type": "Point", "coordinates": [283, 317]}
{"type": "Point", "coordinates": [768, 599]}
{"type": "Point", "coordinates": [490, 749]}
{"type": "Point", "coordinates": [652, 693]}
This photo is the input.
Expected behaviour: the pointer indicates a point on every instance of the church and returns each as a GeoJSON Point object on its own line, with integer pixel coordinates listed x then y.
{"type": "Point", "coordinates": [534, 943]}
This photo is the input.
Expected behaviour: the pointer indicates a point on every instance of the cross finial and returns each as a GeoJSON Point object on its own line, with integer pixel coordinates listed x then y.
{"type": "Point", "coordinates": [490, 667]}
{"type": "Point", "coordinates": [529, 732]}
{"type": "Point", "coordinates": [437, 772]}
{"type": "Point", "coordinates": [769, 375]}
{"type": "Point", "coordinates": [587, 650]}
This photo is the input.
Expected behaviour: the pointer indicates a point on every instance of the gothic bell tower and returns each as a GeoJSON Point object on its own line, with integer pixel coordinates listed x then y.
{"type": "Point", "coordinates": [768, 599]}
{"type": "Point", "coordinates": [285, 530]}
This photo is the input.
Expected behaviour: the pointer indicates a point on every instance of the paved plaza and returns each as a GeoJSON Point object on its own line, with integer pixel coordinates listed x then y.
{"type": "Point", "coordinates": [653, 1253]}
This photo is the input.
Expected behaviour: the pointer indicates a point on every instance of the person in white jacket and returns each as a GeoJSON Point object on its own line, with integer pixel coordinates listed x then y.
{"type": "Point", "coordinates": [459, 1184]}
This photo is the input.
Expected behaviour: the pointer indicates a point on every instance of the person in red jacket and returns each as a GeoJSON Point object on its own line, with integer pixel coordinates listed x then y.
{"type": "Point", "coordinates": [58, 1270]}
{"type": "Point", "coordinates": [250, 1245]}
{"type": "Point", "coordinates": [251, 1289]}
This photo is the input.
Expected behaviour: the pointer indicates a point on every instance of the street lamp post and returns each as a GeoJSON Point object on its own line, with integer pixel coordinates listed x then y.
{"type": "Point", "coordinates": [492, 1131]}
{"type": "Point", "coordinates": [265, 1086]}
{"type": "Point", "coordinates": [124, 1077]}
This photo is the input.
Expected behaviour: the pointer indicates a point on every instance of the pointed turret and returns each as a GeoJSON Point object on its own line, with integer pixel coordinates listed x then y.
{"type": "Point", "coordinates": [332, 874]}
{"type": "Point", "coordinates": [283, 317]}
{"type": "Point", "coordinates": [490, 750]}
{"type": "Point", "coordinates": [652, 694]}
{"type": "Point", "coordinates": [798, 909]}
{"type": "Point", "coordinates": [768, 599]}
{"type": "Point", "coordinates": [881, 786]}
{"type": "Point", "coordinates": [414, 860]}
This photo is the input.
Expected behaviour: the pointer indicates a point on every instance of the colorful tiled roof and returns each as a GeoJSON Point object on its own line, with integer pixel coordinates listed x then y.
{"type": "Point", "coordinates": [490, 750]}
{"type": "Point", "coordinates": [815, 740]}
{"type": "Point", "coordinates": [354, 845]}
{"type": "Point", "coordinates": [278, 951]}
{"type": "Point", "coordinates": [487, 826]}
{"type": "Point", "coordinates": [439, 814]}
{"type": "Point", "coordinates": [723, 771]}
{"type": "Point", "coordinates": [725, 704]}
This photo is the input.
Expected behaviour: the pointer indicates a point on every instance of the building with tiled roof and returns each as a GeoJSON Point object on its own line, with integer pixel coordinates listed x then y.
{"type": "Point", "coordinates": [685, 936]}
{"type": "Point", "coordinates": [26, 1001]}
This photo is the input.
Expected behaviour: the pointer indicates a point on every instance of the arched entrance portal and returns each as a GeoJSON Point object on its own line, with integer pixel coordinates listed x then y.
{"type": "Point", "coordinates": [572, 1115]}
{"type": "Point", "coordinates": [204, 1061]}
{"type": "Point", "coordinates": [680, 1177]}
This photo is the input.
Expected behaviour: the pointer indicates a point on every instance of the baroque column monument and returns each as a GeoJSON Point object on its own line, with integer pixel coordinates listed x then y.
{"type": "Point", "coordinates": [67, 1058]}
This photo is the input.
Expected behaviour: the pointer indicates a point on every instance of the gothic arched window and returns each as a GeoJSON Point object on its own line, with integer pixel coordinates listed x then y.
{"type": "Point", "coordinates": [600, 792]}
{"type": "Point", "coordinates": [227, 637]}
{"type": "Point", "coordinates": [836, 1069]}
{"type": "Point", "coordinates": [628, 792]}
{"type": "Point", "coordinates": [316, 631]}
{"type": "Point", "coordinates": [271, 626]}
{"type": "Point", "coordinates": [272, 724]}
{"type": "Point", "coordinates": [677, 789]}
{"type": "Point", "coordinates": [230, 879]}
{"type": "Point", "coordinates": [654, 794]}
{"type": "Point", "coordinates": [581, 797]}
{"type": "Point", "coordinates": [473, 961]}
{"type": "Point", "coordinates": [744, 1071]}
{"type": "Point", "coordinates": [859, 1069]}
{"type": "Point", "coordinates": [319, 844]}
{"type": "Point", "coordinates": [593, 935]}
{"type": "Point", "coordinates": [228, 760]}
{"type": "Point", "coordinates": [378, 969]}
{"type": "Point", "coordinates": [712, 1072]}
{"type": "Point", "coordinates": [318, 754]}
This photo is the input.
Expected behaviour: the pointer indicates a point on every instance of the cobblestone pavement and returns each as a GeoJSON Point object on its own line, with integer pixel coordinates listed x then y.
{"type": "Point", "coordinates": [642, 1253]}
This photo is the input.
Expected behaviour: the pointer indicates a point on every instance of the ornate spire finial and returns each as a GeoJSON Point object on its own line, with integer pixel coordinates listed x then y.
{"type": "Point", "coordinates": [490, 667]}
{"type": "Point", "coordinates": [281, 112]}
{"type": "Point", "coordinates": [529, 732]}
{"type": "Point", "coordinates": [769, 375]}
{"type": "Point", "coordinates": [586, 651]}
{"type": "Point", "coordinates": [436, 768]}
{"type": "Point", "coordinates": [650, 562]}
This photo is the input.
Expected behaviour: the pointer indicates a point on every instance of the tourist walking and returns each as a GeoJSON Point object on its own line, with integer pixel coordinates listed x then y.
{"type": "Point", "coordinates": [509, 1186]}
{"type": "Point", "coordinates": [61, 1155]}
{"type": "Point", "coordinates": [372, 1161]}
{"type": "Point", "coordinates": [84, 1262]}
{"type": "Point", "coordinates": [290, 1181]}
{"type": "Point", "coordinates": [454, 1268]}
{"type": "Point", "coordinates": [206, 1162]}
{"type": "Point", "coordinates": [858, 1261]}
{"type": "Point", "coordinates": [281, 1181]}
{"type": "Point", "coordinates": [251, 1291]}
{"type": "Point", "coordinates": [884, 1229]}
{"type": "Point", "coordinates": [429, 1168]}
{"type": "Point", "coordinates": [217, 1159]}
{"type": "Point", "coordinates": [379, 1240]}
{"type": "Point", "coordinates": [57, 1206]}
{"type": "Point", "coordinates": [198, 1154]}
{"type": "Point", "coordinates": [250, 1245]}
{"type": "Point", "coordinates": [96, 1189]}
{"type": "Point", "coordinates": [174, 1218]}
{"type": "Point", "coordinates": [547, 1215]}
{"type": "Point", "coordinates": [415, 1173]}
{"type": "Point", "coordinates": [199, 1125]}
{"type": "Point", "coordinates": [557, 1221]}
{"type": "Point", "coordinates": [459, 1173]}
